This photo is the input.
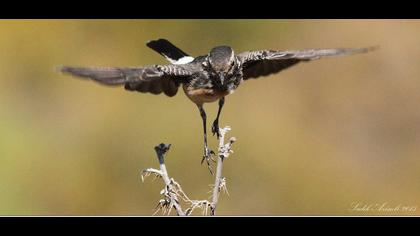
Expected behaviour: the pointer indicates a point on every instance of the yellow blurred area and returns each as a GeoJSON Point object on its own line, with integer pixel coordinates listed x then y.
{"type": "Point", "coordinates": [313, 140]}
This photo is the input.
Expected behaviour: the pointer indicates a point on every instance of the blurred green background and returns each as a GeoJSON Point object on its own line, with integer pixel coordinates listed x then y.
{"type": "Point", "coordinates": [312, 140]}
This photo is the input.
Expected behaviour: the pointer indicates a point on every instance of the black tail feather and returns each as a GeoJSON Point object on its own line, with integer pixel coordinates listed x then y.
{"type": "Point", "coordinates": [167, 49]}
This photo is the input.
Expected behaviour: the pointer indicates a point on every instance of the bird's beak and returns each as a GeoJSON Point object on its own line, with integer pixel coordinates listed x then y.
{"type": "Point", "coordinates": [222, 78]}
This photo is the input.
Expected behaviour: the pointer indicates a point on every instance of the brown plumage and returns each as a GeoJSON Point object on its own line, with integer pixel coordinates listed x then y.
{"type": "Point", "coordinates": [206, 78]}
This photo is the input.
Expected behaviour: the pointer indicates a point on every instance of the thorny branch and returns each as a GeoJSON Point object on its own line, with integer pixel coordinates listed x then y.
{"type": "Point", "coordinates": [172, 191]}
{"type": "Point", "coordinates": [220, 182]}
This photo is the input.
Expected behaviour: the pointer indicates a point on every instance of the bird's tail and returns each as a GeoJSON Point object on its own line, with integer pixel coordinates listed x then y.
{"type": "Point", "coordinates": [172, 53]}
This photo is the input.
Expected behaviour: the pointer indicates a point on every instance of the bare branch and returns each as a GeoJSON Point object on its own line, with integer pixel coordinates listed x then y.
{"type": "Point", "coordinates": [220, 182]}
{"type": "Point", "coordinates": [149, 171]}
{"type": "Point", "coordinates": [173, 191]}
{"type": "Point", "coordinates": [171, 199]}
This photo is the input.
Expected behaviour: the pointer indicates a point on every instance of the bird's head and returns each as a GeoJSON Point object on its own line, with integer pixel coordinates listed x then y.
{"type": "Point", "coordinates": [222, 61]}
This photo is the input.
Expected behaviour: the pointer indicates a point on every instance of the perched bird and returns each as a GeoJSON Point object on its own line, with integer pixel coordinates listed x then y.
{"type": "Point", "coordinates": [204, 79]}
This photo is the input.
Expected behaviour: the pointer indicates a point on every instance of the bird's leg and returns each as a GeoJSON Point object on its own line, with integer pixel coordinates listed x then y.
{"type": "Point", "coordinates": [207, 152]}
{"type": "Point", "coordinates": [215, 126]}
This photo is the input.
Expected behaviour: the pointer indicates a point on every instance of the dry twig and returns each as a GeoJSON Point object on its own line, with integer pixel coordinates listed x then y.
{"type": "Point", "coordinates": [224, 151]}
{"type": "Point", "coordinates": [172, 191]}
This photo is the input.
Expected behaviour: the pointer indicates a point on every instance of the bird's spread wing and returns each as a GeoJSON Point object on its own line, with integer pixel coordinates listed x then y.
{"type": "Point", "coordinates": [153, 79]}
{"type": "Point", "coordinates": [266, 62]}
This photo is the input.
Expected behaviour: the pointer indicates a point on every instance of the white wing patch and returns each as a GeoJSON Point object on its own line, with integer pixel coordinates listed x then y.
{"type": "Point", "coordinates": [180, 61]}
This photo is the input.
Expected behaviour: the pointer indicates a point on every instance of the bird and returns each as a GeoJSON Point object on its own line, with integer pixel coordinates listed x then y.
{"type": "Point", "coordinates": [204, 79]}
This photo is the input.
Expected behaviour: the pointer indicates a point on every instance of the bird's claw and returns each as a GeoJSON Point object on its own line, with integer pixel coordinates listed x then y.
{"type": "Point", "coordinates": [208, 155]}
{"type": "Point", "coordinates": [215, 128]}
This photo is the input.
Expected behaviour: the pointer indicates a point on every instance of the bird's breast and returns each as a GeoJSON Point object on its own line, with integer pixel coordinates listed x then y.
{"type": "Point", "coordinates": [203, 95]}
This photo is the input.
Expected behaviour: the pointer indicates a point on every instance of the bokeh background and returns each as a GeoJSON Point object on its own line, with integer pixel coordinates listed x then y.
{"type": "Point", "coordinates": [313, 140]}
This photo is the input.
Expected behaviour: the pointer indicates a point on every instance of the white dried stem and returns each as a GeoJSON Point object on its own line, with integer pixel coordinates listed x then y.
{"type": "Point", "coordinates": [220, 182]}
{"type": "Point", "coordinates": [173, 191]}
{"type": "Point", "coordinates": [169, 193]}
{"type": "Point", "coordinates": [150, 171]}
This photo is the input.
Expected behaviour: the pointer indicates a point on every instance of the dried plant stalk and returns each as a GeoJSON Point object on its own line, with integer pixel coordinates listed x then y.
{"type": "Point", "coordinates": [173, 192]}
